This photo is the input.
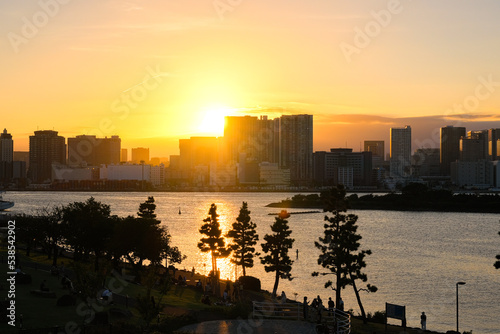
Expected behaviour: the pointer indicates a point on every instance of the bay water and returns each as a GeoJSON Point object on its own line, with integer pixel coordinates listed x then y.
{"type": "Point", "coordinates": [417, 257]}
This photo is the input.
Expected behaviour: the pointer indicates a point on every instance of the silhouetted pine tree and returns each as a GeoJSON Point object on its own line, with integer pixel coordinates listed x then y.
{"type": "Point", "coordinates": [339, 247]}
{"type": "Point", "coordinates": [244, 238]}
{"type": "Point", "coordinates": [276, 248]}
{"type": "Point", "coordinates": [214, 241]}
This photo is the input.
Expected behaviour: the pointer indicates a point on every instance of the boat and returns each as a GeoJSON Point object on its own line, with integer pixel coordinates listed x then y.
{"type": "Point", "coordinates": [4, 205]}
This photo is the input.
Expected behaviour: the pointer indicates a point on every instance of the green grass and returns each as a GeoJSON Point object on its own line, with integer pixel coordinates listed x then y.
{"type": "Point", "coordinates": [39, 312]}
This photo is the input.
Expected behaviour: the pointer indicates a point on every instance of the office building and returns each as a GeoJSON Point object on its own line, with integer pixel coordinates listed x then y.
{"type": "Point", "coordinates": [46, 148]}
{"type": "Point", "coordinates": [296, 147]}
{"type": "Point", "coordinates": [450, 146]}
{"type": "Point", "coordinates": [342, 166]}
{"type": "Point", "coordinates": [378, 151]}
{"type": "Point", "coordinates": [124, 155]}
{"type": "Point", "coordinates": [493, 138]}
{"type": "Point", "coordinates": [400, 151]}
{"type": "Point", "coordinates": [92, 151]}
{"type": "Point", "coordinates": [140, 154]}
{"type": "Point", "coordinates": [6, 147]}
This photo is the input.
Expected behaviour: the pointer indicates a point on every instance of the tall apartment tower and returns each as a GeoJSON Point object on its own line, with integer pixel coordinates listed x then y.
{"type": "Point", "coordinates": [46, 148]}
{"type": "Point", "coordinates": [124, 155]}
{"type": "Point", "coordinates": [378, 151]}
{"type": "Point", "coordinates": [6, 147]}
{"type": "Point", "coordinates": [400, 151]}
{"type": "Point", "coordinates": [296, 147]}
{"type": "Point", "coordinates": [493, 137]}
{"type": "Point", "coordinates": [140, 154]}
{"type": "Point", "coordinates": [93, 151]}
{"type": "Point", "coordinates": [256, 138]}
{"type": "Point", "coordinates": [450, 146]}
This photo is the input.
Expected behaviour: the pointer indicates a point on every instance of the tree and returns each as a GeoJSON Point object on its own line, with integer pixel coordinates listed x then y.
{"type": "Point", "coordinates": [276, 248]}
{"type": "Point", "coordinates": [339, 247]}
{"type": "Point", "coordinates": [244, 238]}
{"type": "Point", "coordinates": [88, 228]}
{"type": "Point", "coordinates": [142, 238]}
{"type": "Point", "coordinates": [147, 209]}
{"type": "Point", "coordinates": [214, 241]}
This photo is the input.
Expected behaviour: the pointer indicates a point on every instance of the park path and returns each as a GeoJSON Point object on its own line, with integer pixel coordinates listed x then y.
{"type": "Point", "coordinates": [250, 327]}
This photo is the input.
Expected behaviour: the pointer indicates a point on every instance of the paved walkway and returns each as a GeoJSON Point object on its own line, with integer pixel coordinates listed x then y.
{"type": "Point", "coordinates": [252, 326]}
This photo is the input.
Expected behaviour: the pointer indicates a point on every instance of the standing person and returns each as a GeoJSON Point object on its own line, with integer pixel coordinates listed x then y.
{"type": "Point", "coordinates": [331, 306]}
{"type": "Point", "coordinates": [305, 307]}
{"type": "Point", "coordinates": [341, 304]}
{"type": "Point", "coordinates": [283, 297]}
{"type": "Point", "coordinates": [423, 320]}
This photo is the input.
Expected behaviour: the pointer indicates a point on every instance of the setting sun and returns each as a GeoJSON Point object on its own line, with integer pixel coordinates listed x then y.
{"type": "Point", "coordinates": [212, 120]}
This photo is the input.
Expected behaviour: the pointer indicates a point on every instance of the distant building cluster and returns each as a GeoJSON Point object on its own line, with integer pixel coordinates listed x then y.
{"type": "Point", "coordinates": [254, 153]}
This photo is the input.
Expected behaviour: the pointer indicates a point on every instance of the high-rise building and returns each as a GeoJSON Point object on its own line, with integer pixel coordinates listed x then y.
{"type": "Point", "coordinates": [342, 166]}
{"type": "Point", "coordinates": [493, 137]}
{"type": "Point", "coordinates": [472, 150]}
{"type": "Point", "coordinates": [93, 151]}
{"type": "Point", "coordinates": [46, 148]}
{"type": "Point", "coordinates": [140, 154]}
{"type": "Point", "coordinates": [6, 147]}
{"type": "Point", "coordinates": [425, 162]}
{"type": "Point", "coordinates": [257, 138]}
{"type": "Point", "coordinates": [296, 147]}
{"type": "Point", "coordinates": [400, 150]}
{"type": "Point", "coordinates": [378, 151]}
{"type": "Point", "coordinates": [124, 155]}
{"type": "Point", "coordinates": [450, 146]}
{"type": "Point", "coordinates": [197, 151]}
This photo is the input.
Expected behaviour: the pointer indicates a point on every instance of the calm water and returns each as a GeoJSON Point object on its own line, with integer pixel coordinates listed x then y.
{"type": "Point", "coordinates": [417, 256]}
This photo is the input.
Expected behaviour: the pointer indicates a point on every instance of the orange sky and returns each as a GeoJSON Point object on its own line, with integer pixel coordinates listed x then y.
{"type": "Point", "coordinates": [167, 69]}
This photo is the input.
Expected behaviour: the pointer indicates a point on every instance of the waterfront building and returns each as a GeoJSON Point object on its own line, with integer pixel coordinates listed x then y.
{"type": "Point", "coordinates": [140, 154]}
{"type": "Point", "coordinates": [477, 174]}
{"type": "Point", "coordinates": [400, 152]}
{"type": "Point", "coordinates": [124, 155]}
{"type": "Point", "coordinates": [46, 148]}
{"type": "Point", "coordinates": [342, 166]}
{"type": "Point", "coordinates": [296, 147]}
{"type": "Point", "coordinates": [493, 139]}
{"type": "Point", "coordinates": [450, 146]}
{"type": "Point", "coordinates": [6, 147]}
{"type": "Point", "coordinates": [377, 147]}
{"type": "Point", "coordinates": [425, 162]}
{"type": "Point", "coordinates": [87, 150]}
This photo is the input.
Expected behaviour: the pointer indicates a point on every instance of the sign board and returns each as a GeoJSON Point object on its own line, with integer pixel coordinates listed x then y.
{"type": "Point", "coordinates": [395, 311]}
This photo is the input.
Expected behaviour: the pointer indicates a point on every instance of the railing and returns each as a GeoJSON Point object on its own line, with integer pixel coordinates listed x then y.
{"type": "Point", "coordinates": [341, 322]}
{"type": "Point", "coordinates": [277, 310]}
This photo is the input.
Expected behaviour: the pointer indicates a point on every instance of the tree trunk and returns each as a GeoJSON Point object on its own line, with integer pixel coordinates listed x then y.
{"type": "Point", "coordinates": [337, 290]}
{"type": "Point", "coordinates": [244, 273]}
{"type": "Point", "coordinates": [356, 292]}
{"type": "Point", "coordinates": [276, 282]}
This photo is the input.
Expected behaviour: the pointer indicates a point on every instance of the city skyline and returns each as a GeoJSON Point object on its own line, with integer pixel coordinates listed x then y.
{"type": "Point", "coordinates": [153, 73]}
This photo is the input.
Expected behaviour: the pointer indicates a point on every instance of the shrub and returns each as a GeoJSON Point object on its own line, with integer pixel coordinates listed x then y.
{"type": "Point", "coordinates": [250, 283]}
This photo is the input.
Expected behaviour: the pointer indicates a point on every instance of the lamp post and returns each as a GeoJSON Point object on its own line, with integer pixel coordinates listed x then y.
{"type": "Point", "coordinates": [458, 283]}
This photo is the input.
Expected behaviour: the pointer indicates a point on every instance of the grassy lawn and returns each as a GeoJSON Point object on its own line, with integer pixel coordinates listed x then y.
{"type": "Point", "coordinates": [40, 312]}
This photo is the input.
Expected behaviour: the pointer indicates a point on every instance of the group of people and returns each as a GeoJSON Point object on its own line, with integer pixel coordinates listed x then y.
{"type": "Point", "coordinates": [317, 304]}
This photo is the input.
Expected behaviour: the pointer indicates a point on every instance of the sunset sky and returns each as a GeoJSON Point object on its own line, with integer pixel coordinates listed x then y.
{"type": "Point", "coordinates": [158, 70]}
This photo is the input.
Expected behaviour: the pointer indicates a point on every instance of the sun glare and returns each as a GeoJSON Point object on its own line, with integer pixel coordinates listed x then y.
{"type": "Point", "coordinates": [212, 120]}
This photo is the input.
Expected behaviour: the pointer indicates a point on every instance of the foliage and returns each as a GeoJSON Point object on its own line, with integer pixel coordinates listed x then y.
{"type": "Point", "coordinates": [339, 247]}
{"type": "Point", "coordinates": [276, 247]}
{"type": "Point", "coordinates": [244, 238]}
{"type": "Point", "coordinates": [214, 242]}
{"type": "Point", "coordinates": [88, 228]}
